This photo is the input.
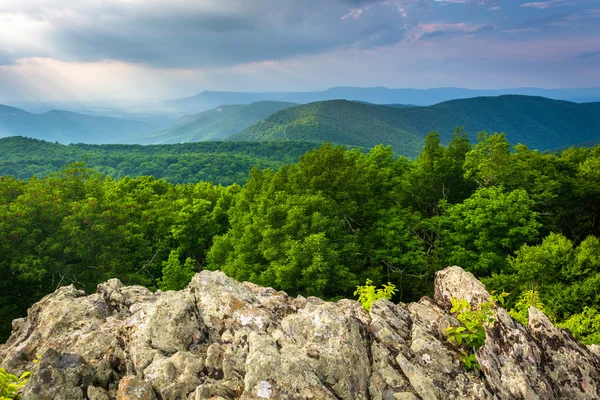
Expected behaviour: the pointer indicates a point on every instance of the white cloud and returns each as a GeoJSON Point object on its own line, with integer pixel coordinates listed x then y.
{"type": "Point", "coordinates": [520, 31]}
{"type": "Point", "coordinates": [355, 13]}
{"type": "Point", "coordinates": [424, 31]}
{"type": "Point", "coordinates": [189, 33]}
{"type": "Point", "coordinates": [480, 2]}
{"type": "Point", "coordinates": [543, 4]}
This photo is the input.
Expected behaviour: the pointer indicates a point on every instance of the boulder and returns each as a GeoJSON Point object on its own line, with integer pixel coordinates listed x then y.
{"type": "Point", "coordinates": [221, 339]}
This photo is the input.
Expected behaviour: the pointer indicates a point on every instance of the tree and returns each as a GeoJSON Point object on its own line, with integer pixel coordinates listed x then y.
{"type": "Point", "coordinates": [488, 163]}
{"type": "Point", "coordinates": [308, 228]}
{"type": "Point", "coordinates": [568, 276]}
{"type": "Point", "coordinates": [175, 275]}
{"type": "Point", "coordinates": [438, 174]}
{"type": "Point", "coordinates": [479, 233]}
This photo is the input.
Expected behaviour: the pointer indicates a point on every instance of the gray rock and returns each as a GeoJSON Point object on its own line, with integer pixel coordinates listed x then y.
{"type": "Point", "coordinates": [220, 339]}
{"type": "Point", "coordinates": [134, 388]}
{"type": "Point", "coordinates": [97, 393]}
{"type": "Point", "coordinates": [456, 282]}
{"type": "Point", "coordinates": [59, 376]}
{"type": "Point", "coordinates": [574, 372]}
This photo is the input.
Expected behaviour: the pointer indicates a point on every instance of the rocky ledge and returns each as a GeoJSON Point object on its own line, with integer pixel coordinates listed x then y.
{"type": "Point", "coordinates": [221, 339]}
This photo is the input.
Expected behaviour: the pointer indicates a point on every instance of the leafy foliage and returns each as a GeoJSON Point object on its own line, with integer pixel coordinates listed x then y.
{"type": "Point", "coordinates": [313, 227]}
{"type": "Point", "coordinates": [471, 336]}
{"type": "Point", "coordinates": [218, 162]}
{"type": "Point", "coordinates": [519, 220]}
{"type": "Point", "coordinates": [484, 229]}
{"type": "Point", "coordinates": [529, 298]}
{"type": "Point", "coordinates": [585, 326]}
{"type": "Point", "coordinates": [82, 228]}
{"type": "Point", "coordinates": [11, 384]}
{"type": "Point", "coordinates": [176, 276]}
{"type": "Point", "coordinates": [368, 294]}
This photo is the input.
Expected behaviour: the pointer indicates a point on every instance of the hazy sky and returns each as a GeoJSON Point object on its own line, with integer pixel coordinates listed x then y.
{"type": "Point", "coordinates": [152, 49]}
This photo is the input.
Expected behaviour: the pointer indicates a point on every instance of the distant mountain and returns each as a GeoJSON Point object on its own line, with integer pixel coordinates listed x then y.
{"type": "Point", "coordinates": [70, 127]}
{"type": "Point", "coordinates": [378, 95]}
{"type": "Point", "coordinates": [538, 122]}
{"type": "Point", "coordinates": [216, 124]}
{"type": "Point", "coordinates": [114, 110]}
{"type": "Point", "coordinates": [337, 121]}
{"type": "Point", "coordinates": [400, 105]}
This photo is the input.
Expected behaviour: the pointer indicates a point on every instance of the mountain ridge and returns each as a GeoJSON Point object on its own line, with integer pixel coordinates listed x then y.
{"type": "Point", "coordinates": [218, 123]}
{"type": "Point", "coordinates": [536, 121]}
{"type": "Point", "coordinates": [208, 99]}
{"type": "Point", "coordinates": [70, 127]}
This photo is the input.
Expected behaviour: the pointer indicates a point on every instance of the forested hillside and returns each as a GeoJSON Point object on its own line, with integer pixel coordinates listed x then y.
{"type": "Point", "coordinates": [216, 124]}
{"type": "Point", "coordinates": [522, 221]}
{"type": "Point", "coordinates": [337, 121]}
{"type": "Point", "coordinates": [69, 127]}
{"type": "Point", "coordinates": [538, 122]}
{"type": "Point", "coordinates": [218, 162]}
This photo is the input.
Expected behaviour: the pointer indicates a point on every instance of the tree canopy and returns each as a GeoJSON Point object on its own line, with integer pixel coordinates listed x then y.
{"type": "Point", "coordinates": [524, 222]}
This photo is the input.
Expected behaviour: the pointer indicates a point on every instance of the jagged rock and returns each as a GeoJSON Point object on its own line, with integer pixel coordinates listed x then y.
{"type": "Point", "coordinates": [220, 339]}
{"type": "Point", "coordinates": [455, 282]}
{"type": "Point", "coordinates": [97, 393]}
{"type": "Point", "coordinates": [134, 388]}
{"type": "Point", "coordinates": [572, 369]}
{"type": "Point", "coordinates": [594, 348]}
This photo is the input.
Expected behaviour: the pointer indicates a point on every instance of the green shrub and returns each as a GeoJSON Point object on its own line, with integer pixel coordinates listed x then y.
{"type": "Point", "coordinates": [367, 294]}
{"type": "Point", "coordinates": [529, 298]}
{"type": "Point", "coordinates": [584, 326]}
{"type": "Point", "coordinates": [471, 336]}
{"type": "Point", "coordinates": [10, 384]}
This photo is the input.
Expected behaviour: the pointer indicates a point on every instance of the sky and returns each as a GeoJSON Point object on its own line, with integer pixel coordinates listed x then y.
{"type": "Point", "coordinates": [101, 50]}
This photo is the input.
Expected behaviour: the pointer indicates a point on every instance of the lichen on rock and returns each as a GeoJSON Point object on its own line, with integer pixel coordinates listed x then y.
{"type": "Point", "coordinates": [222, 339]}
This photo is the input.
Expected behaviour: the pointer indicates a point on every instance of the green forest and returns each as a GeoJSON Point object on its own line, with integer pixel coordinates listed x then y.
{"type": "Point", "coordinates": [222, 163]}
{"type": "Point", "coordinates": [538, 122]}
{"type": "Point", "coordinates": [216, 124]}
{"type": "Point", "coordinates": [523, 221]}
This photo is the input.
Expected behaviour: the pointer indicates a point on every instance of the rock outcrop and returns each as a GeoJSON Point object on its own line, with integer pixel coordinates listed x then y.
{"type": "Point", "coordinates": [221, 339]}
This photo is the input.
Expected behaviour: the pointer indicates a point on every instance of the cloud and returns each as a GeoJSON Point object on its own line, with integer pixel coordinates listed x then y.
{"type": "Point", "coordinates": [520, 31]}
{"type": "Point", "coordinates": [477, 2]}
{"type": "Point", "coordinates": [185, 33]}
{"type": "Point", "coordinates": [6, 59]}
{"type": "Point", "coordinates": [139, 48]}
{"type": "Point", "coordinates": [429, 31]}
{"type": "Point", "coordinates": [354, 13]}
{"type": "Point", "coordinates": [542, 5]}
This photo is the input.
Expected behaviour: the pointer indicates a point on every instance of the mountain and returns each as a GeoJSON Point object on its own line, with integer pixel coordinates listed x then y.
{"type": "Point", "coordinates": [337, 121]}
{"type": "Point", "coordinates": [378, 95]}
{"type": "Point", "coordinates": [218, 123]}
{"type": "Point", "coordinates": [70, 127]}
{"type": "Point", "coordinates": [538, 122]}
{"type": "Point", "coordinates": [400, 105]}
